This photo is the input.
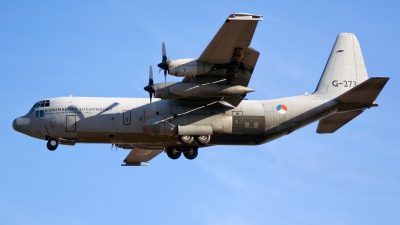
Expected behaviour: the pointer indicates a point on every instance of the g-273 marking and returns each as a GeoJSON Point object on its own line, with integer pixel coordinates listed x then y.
{"type": "Point", "coordinates": [347, 83]}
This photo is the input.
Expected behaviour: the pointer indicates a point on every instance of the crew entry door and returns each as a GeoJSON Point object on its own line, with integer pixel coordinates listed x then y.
{"type": "Point", "coordinates": [70, 124]}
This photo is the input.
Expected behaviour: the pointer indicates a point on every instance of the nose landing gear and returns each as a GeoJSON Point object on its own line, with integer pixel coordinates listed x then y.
{"type": "Point", "coordinates": [52, 144]}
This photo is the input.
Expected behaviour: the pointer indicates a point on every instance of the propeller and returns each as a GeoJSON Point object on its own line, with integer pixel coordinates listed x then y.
{"type": "Point", "coordinates": [164, 63]}
{"type": "Point", "coordinates": [149, 87]}
{"type": "Point", "coordinates": [112, 146]}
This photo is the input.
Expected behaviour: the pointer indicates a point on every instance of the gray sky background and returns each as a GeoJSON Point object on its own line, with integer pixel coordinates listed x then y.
{"type": "Point", "coordinates": [104, 48]}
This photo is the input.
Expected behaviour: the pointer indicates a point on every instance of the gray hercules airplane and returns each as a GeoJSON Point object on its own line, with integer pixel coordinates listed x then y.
{"type": "Point", "coordinates": [208, 107]}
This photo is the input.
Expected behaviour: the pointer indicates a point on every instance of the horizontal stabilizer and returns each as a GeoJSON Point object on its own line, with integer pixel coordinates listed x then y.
{"type": "Point", "coordinates": [364, 93]}
{"type": "Point", "coordinates": [333, 122]}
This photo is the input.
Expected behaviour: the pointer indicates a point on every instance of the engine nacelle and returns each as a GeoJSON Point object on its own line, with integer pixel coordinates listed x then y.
{"type": "Point", "coordinates": [159, 126]}
{"type": "Point", "coordinates": [188, 67]}
{"type": "Point", "coordinates": [162, 90]}
{"type": "Point", "coordinates": [209, 90]}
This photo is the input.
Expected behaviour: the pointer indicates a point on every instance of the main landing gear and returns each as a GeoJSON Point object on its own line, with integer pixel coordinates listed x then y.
{"type": "Point", "coordinates": [201, 139]}
{"type": "Point", "coordinates": [52, 144]}
{"type": "Point", "coordinates": [188, 152]}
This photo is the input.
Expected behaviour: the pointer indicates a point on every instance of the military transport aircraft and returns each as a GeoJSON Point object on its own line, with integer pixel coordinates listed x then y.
{"type": "Point", "coordinates": [208, 107]}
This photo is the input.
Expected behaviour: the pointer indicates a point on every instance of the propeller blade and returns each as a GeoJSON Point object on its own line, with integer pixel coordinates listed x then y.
{"type": "Point", "coordinates": [164, 63]}
{"type": "Point", "coordinates": [151, 96]}
{"type": "Point", "coordinates": [151, 82]}
{"type": "Point", "coordinates": [165, 81]}
{"type": "Point", "coordinates": [164, 53]}
{"type": "Point", "coordinates": [149, 87]}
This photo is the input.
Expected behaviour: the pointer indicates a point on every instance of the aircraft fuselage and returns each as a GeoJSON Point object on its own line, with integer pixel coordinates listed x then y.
{"type": "Point", "coordinates": [126, 120]}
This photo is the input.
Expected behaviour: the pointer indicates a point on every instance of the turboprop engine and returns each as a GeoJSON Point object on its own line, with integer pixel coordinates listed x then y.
{"type": "Point", "coordinates": [209, 90]}
{"type": "Point", "coordinates": [187, 67]}
{"type": "Point", "coordinates": [182, 67]}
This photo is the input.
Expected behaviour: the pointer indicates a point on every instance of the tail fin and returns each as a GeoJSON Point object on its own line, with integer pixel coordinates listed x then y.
{"type": "Point", "coordinates": [345, 67]}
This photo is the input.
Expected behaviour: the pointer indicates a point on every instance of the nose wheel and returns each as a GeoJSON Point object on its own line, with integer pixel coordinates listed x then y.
{"type": "Point", "coordinates": [52, 144]}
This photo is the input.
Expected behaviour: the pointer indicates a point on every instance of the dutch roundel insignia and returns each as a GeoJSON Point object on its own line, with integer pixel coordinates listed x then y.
{"type": "Point", "coordinates": [281, 108]}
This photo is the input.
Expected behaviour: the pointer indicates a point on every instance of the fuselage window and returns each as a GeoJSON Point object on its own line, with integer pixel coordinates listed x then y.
{"type": "Point", "coordinates": [40, 113]}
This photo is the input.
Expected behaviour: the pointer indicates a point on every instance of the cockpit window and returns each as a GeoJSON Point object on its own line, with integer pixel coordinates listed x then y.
{"type": "Point", "coordinates": [40, 104]}
{"type": "Point", "coordinates": [34, 106]}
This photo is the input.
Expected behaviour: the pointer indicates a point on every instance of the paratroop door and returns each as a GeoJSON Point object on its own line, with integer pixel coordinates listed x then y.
{"type": "Point", "coordinates": [127, 117]}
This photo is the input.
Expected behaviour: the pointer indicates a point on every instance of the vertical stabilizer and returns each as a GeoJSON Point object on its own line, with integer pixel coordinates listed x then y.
{"type": "Point", "coordinates": [345, 67]}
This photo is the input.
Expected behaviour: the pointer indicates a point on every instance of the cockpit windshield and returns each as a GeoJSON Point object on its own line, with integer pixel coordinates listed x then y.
{"type": "Point", "coordinates": [40, 104]}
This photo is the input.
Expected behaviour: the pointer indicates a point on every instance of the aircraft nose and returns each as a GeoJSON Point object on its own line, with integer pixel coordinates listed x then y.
{"type": "Point", "coordinates": [22, 124]}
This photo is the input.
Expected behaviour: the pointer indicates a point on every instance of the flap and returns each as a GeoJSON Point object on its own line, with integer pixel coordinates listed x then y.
{"type": "Point", "coordinates": [333, 122]}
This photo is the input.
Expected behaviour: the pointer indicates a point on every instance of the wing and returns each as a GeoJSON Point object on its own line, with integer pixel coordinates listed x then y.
{"type": "Point", "coordinates": [223, 70]}
{"type": "Point", "coordinates": [139, 155]}
{"type": "Point", "coordinates": [230, 53]}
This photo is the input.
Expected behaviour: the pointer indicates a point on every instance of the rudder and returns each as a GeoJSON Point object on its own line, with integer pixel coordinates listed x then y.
{"type": "Point", "coordinates": [345, 67]}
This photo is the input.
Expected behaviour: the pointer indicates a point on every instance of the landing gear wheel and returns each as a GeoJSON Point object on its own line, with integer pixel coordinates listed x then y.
{"type": "Point", "coordinates": [191, 153]}
{"type": "Point", "coordinates": [203, 139]}
{"type": "Point", "coordinates": [173, 153]}
{"type": "Point", "coordinates": [186, 139]}
{"type": "Point", "coordinates": [52, 144]}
